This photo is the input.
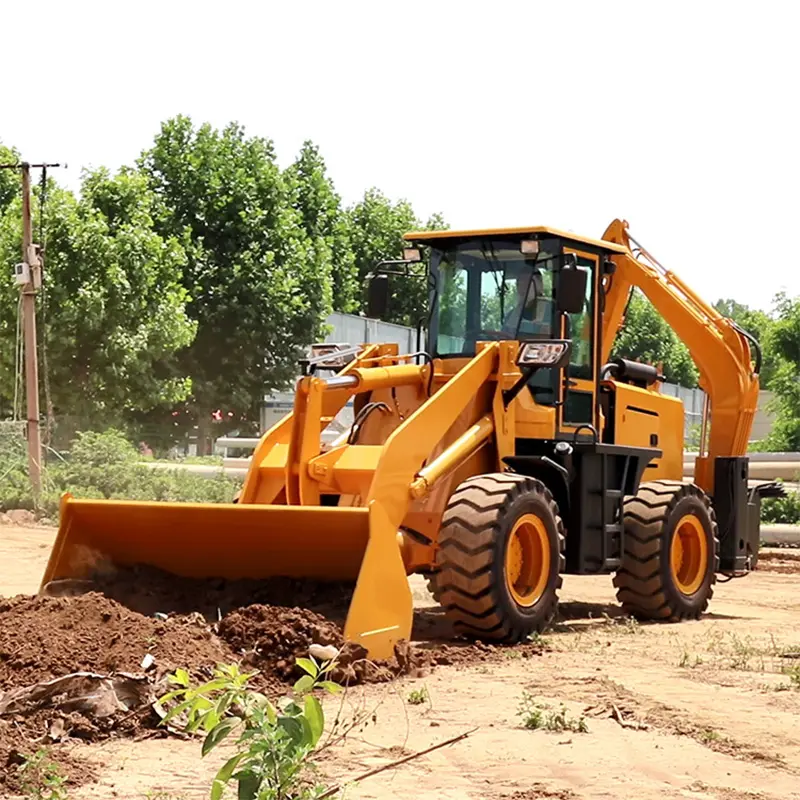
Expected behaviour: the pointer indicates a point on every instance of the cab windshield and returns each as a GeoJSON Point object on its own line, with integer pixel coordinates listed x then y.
{"type": "Point", "coordinates": [492, 290]}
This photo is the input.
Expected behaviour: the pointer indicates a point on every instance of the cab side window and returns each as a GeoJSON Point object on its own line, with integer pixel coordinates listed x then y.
{"type": "Point", "coordinates": [581, 329]}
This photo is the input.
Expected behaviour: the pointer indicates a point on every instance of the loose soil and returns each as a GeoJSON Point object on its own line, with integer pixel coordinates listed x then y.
{"type": "Point", "coordinates": [704, 710]}
{"type": "Point", "coordinates": [46, 637]}
{"type": "Point", "coordinates": [110, 627]}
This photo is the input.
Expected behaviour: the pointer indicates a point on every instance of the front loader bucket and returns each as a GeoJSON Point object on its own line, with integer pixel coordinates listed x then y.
{"type": "Point", "coordinates": [239, 541]}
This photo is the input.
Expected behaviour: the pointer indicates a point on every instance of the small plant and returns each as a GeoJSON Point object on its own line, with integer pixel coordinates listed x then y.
{"type": "Point", "coordinates": [418, 696]}
{"type": "Point", "coordinates": [275, 740]}
{"type": "Point", "coordinates": [41, 778]}
{"type": "Point", "coordinates": [537, 639]}
{"type": "Point", "coordinates": [709, 735]}
{"type": "Point", "coordinates": [625, 624]}
{"type": "Point", "coordinates": [793, 673]}
{"type": "Point", "coordinates": [537, 716]}
{"type": "Point", "coordinates": [744, 654]}
{"type": "Point", "coordinates": [690, 661]}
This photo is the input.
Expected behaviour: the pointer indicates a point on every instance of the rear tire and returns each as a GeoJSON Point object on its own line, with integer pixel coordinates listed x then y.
{"type": "Point", "coordinates": [500, 557]}
{"type": "Point", "coordinates": [671, 552]}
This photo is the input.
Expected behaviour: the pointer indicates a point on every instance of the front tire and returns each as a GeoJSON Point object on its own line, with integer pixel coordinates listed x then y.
{"type": "Point", "coordinates": [671, 552]}
{"type": "Point", "coordinates": [500, 557]}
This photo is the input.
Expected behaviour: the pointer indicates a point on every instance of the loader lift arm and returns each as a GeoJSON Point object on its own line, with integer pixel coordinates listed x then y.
{"type": "Point", "coordinates": [721, 350]}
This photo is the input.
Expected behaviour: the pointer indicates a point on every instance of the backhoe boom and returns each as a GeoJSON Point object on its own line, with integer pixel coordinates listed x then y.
{"type": "Point", "coordinates": [720, 350]}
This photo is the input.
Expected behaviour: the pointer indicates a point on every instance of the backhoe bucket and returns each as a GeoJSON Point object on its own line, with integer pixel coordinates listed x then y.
{"type": "Point", "coordinates": [238, 541]}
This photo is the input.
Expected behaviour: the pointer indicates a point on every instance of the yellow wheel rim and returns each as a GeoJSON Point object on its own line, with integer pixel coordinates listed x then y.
{"type": "Point", "coordinates": [527, 560]}
{"type": "Point", "coordinates": [689, 554]}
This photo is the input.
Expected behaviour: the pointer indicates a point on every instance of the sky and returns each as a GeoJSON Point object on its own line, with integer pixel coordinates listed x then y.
{"type": "Point", "coordinates": [680, 117]}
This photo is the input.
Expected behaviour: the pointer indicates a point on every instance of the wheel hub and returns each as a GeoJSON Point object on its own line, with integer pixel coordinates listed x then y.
{"type": "Point", "coordinates": [527, 566]}
{"type": "Point", "coordinates": [689, 554]}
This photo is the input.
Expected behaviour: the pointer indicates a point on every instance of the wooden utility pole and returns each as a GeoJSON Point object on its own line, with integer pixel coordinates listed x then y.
{"type": "Point", "coordinates": [31, 268]}
{"type": "Point", "coordinates": [31, 258]}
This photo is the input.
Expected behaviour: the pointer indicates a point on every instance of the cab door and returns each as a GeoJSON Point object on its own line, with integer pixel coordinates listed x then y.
{"type": "Point", "coordinates": [578, 385]}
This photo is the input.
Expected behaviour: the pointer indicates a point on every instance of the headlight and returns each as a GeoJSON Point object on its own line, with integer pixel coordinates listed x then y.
{"type": "Point", "coordinates": [543, 354]}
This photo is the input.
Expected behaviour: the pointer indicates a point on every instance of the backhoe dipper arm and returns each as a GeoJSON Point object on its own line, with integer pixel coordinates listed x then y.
{"type": "Point", "coordinates": [718, 347]}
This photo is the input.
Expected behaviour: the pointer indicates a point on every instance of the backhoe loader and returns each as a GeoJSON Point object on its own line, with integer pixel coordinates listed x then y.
{"type": "Point", "coordinates": [510, 452]}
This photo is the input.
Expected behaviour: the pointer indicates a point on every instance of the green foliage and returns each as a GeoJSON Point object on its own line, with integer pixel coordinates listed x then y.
{"type": "Point", "coordinates": [536, 716]}
{"type": "Point", "coordinates": [9, 179]}
{"type": "Point", "coordinates": [259, 284]}
{"type": "Point", "coordinates": [41, 778]}
{"type": "Point", "coordinates": [192, 282]}
{"type": "Point", "coordinates": [114, 313]}
{"type": "Point", "coordinates": [782, 510]}
{"type": "Point", "coordinates": [275, 740]}
{"type": "Point", "coordinates": [315, 199]}
{"type": "Point", "coordinates": [103, 466]}
{"type": "Point", "coordinates": [783, 340]}
{"type": "Point", "coordinates": [417, 697]}
{"type": "Point", "coordinates": [376, 228]}
{"type": "Point", "coordinates": [645, 336]}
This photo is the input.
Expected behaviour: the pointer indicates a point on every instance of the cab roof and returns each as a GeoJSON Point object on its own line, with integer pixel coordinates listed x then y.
{"type": "Point", "coordinates": [423, 237]}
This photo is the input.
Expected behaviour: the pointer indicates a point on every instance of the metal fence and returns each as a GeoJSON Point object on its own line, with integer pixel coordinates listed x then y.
{"type": "Point", "coordinates": [693, 400]}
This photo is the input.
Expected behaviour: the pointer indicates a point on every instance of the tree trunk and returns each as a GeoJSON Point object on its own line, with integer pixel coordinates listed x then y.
{"type": "Point", "coordinates": [203, 434]}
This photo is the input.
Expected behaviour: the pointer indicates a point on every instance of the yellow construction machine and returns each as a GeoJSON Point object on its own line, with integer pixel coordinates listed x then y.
{"type": "Point", "coordinates": [511, 452]}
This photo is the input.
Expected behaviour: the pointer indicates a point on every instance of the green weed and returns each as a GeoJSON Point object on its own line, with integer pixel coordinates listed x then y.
{"type": "Point", "coordinates": [41, 778]}
{"type": "Point", "coordinates": [418, 696]}
{"type": "Point", "coordinates": [709, 736]}
{"type": "Point", "coordinates": [690, 661]}
{"type": "Point", "coordinates": [538, 716]}
{"type": "Point", "coordinates": [793, 673]}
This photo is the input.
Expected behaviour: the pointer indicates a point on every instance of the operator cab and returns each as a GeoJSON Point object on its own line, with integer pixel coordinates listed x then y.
{"type": "Point", "coordinates": [512, 284]}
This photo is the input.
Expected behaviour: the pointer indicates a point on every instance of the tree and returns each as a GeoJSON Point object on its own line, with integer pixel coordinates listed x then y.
{"type": "Point", "coordinates": [376, 228]}
{"type": "Point", "coordinates": [783, 341]}
{"type": "Point", "coordinates": [9, 178]}
{"type": "Point", "coordinates": [115, 312]}
{"type": "Point", "coordinates": [260, 286]}
{"type": "Point", "coordinates": [645, 336]}
{"type": "Point", "coordinates": [319, 206]}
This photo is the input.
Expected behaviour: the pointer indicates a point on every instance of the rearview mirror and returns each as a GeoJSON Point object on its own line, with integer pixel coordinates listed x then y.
{"type": "Point", "coordinates": [571, 289]}
{"type": "Point", "coordinates": [377, 296]}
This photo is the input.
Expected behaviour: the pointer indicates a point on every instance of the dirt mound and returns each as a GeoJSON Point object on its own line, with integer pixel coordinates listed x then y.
{"type": "Point", "coordinates": [43, 638]}
{"type": "Point", "coordinates": [273, 637]}
{"type": "Point", "coordinates": [46, 637]}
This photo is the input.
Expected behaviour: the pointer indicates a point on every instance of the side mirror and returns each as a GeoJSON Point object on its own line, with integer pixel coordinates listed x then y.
{"type": "Point", "coordinates": [571, 289]}
{"type": "Point", "coordinates": [377, 296]}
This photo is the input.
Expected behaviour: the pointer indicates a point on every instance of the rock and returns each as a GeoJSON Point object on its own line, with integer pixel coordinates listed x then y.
{"type": "Point", "coordinates": [323, 653]}
{"type": "Point", "coordinates": [21, 516]}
